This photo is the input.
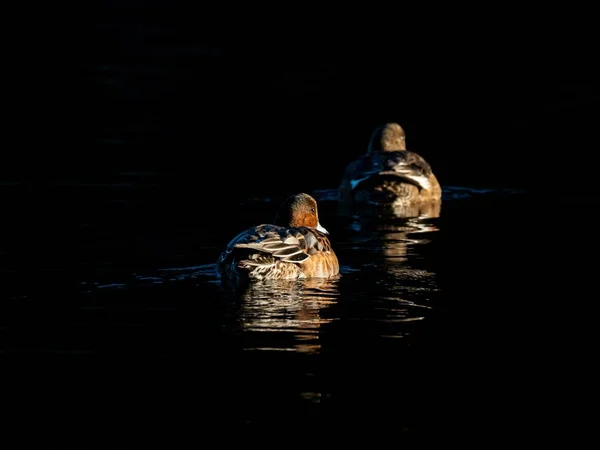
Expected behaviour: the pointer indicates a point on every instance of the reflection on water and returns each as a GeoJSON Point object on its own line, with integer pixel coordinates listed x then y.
{"type": "Point", "coordinates": [293, 308]}
{"type": "Point", "coordinates": [429, 209]}
{"type": "Point", "coordinates": [386, 269]}
{"type": "Point", "coordinates": [389, 228]}
{"type": "Point", "coordinates": [391, 237]}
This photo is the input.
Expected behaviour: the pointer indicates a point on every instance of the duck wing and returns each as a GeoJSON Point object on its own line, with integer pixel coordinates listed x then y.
{"type": "Point", "coordinates": [267, 244]}
{"type": "Point", "coordinates": [408, 166]}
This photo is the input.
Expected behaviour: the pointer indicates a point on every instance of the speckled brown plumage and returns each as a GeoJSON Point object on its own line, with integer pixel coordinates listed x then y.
{"type": "Point", "coordinates": [294, 246]}
{"type": "Point", "coordinates": [388, 173]}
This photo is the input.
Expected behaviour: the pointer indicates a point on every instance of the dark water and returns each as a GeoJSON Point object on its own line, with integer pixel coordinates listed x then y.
{"type": "Point", "coordinates": [452, 325]}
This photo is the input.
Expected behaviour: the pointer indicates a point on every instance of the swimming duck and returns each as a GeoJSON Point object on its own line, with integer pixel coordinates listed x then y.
{"type": "Point", "coordinates": [388, 173]}
{"type": "Point", "coordinates": [295, 246]}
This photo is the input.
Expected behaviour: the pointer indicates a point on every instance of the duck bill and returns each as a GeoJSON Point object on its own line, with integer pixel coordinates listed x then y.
{"type": "Point", "coordinates": [321, 228]}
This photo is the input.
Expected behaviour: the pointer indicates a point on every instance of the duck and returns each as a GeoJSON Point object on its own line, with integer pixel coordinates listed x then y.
{"type": "Point", "coordinates": [389, 174]}
{"type": "Point", "coordinates": [294, 246]}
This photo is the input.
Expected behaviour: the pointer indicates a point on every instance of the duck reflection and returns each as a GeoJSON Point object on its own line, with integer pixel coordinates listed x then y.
{"type": "Point", "coordinates": [296, 308]}
{"type": "Point", "coordinates": [422, 210]}
{"type": "Point", "coordinates": [391, 238]}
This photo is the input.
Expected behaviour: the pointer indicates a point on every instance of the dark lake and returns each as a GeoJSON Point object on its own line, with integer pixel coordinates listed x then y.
{"type": "Point", "coordinates": [478, 323]}
{"type": "Point", "coordinates": [112, 317]}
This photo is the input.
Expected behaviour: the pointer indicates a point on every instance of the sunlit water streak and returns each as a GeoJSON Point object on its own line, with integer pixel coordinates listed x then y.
{"type": "Point", "coordinates": [294, 310]}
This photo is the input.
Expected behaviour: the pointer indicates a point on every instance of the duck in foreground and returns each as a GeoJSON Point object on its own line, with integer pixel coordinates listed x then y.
{"type": "Point", "coordinates": [388, 174]}
{"type": "Point", "coordinates": [295, 246]}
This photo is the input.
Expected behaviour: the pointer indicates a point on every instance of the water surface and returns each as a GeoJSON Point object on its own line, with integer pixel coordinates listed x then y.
{"type": "Point", "coordinates": [422, 332]}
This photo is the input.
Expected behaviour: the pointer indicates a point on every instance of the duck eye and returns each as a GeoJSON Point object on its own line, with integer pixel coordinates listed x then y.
{"type": "Point", "coordinates": [312, 209]}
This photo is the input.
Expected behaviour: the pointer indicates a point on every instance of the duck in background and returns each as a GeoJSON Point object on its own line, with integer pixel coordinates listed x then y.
{"type": "Point", "coordinates": [391, 178]}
